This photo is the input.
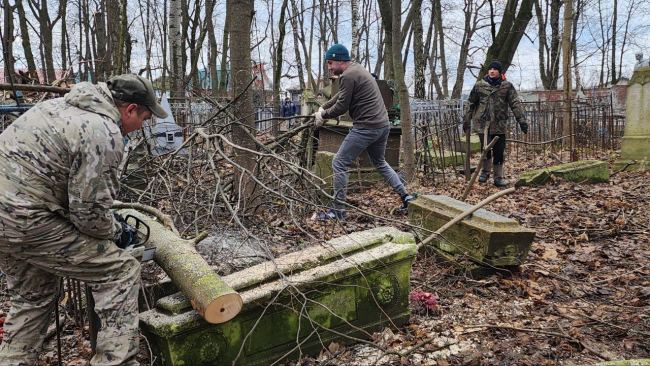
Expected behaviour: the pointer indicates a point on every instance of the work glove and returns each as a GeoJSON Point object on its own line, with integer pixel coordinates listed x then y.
{"type": "Point", "coordinates": [321, 109]}
{"type": "Point", "coordinates": [128, 236]}
{"type": "Point", "coordinates": [119, 217]}
{"type": "Point", "coordinates": [318, 119]}
{"type": "Point", "coordinates": [524, 127]}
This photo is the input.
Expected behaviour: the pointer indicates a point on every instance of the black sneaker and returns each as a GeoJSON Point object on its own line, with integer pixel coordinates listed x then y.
{"type": "Point", "coordinates": [405, 202]}
{"type": "Point", "coordinates": [332, 214]}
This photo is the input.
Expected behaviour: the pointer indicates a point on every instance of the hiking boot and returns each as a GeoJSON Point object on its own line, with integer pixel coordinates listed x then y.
{"type": "Point", "coordinates": [332, 214]}
{"type": "Point", "coordinates": [485, 171]}
{"type": "Point", "coordinates": [498, 176]}
{"type": "Point", "coordinates": [405, 202]}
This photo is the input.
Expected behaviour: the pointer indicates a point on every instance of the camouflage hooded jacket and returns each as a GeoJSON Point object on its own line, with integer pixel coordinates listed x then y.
{"type": "Point", "coordinates": [59, 161]}
{"type": "Point", "coordinates": [488, 106]}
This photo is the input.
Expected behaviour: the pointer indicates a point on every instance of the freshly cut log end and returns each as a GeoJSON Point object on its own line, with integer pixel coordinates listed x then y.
{"type": "Point", "coordinates": [223, 308]}
{"type": "Point", "coordinates": [212, 298]}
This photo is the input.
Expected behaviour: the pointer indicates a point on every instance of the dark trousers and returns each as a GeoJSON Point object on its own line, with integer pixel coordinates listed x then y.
{"type": "Point", "coordinates": [497, 149]}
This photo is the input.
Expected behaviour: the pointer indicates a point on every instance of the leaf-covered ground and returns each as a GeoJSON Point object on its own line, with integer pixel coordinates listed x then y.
{"type": "Point", "coordinates": [582, 296]}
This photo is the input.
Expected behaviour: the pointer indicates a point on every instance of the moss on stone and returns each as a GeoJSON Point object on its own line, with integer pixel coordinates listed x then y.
{"type": "Point", "coordinates": [585, 171]}
{"type": "Point", "coordinates": [352, 294]}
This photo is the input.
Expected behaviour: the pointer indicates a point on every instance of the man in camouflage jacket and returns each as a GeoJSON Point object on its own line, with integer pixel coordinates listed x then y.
{"type": "Point", "coordinates": [59, 176]}
{"type": "Point", "coordinates": [488, 106]}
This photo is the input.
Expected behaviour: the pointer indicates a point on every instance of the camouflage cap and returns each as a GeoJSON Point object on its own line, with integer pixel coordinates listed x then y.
{"type": "Point", "coordinates": [134, 88]}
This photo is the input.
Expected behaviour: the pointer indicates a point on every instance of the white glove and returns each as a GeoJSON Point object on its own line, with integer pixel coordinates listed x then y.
{"type": "Point", "coordinates": [321, 109]}
{"type": "Point", "coordinates": [318, 119]}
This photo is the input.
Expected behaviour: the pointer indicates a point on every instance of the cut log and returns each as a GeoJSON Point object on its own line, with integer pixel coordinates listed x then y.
{"type": "Point", "coordinates": [213, 299]}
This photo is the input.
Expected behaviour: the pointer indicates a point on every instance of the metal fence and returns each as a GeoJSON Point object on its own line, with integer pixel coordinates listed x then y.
{"type": "Point", "coordinates": [189, 115]}
{"type": "Point", "coordinates": [594, 129]}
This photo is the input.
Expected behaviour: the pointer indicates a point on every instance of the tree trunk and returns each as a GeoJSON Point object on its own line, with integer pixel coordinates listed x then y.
{"type": "Point", "coordinates": [198, 43]}
{"type": "Point", "coordinates": [8, 42]}
{"type": "Point", "coordinates": [113, 34]}
{"type": "Point", "coordinates": [212, 66]}
{"type": "Point", "coordinates": [386, 20]}
{"type": "Point", "coordinates": [212, 298]}
{"type": "Point", "coordinates": [471, 12]}
{"type": "Point", "coordinates": [240, 32]}
{"type": "Point", "coordinates": [64, 34]}
{"type": "Point", "coordinates": [301, 37]}
{"type": "Point", "coordinates": [278, 51]}
{"type": "Point", "coordinates": [27, 47]}
{"type": "Point", "coordinates": [419, 59]}
{"type": "Point", "coordinates": [103, 66]}
{"type": "Point", "coordinates": [296, 43]}
{"type": "Point", "coordinates": [354, 50]}
{"type": "Point", "coordinates": [122, 40]}
{"type": "Point", "coordinates": [549, 68]}
{"type": "Point", "coordinates": [566, 68]}
{"type": "Point", "coordinates": [510, 32]}
{"type": "Point", "coordinates": [443, 56]}
{"type": "Point", "coordinates": [176, 75]}
{"type": "Point", "coordinates": [405, 109]}
{"type": "Point", "coordinates": [225, 75]}
{"type": "Point", "coordinates": [614, 79]}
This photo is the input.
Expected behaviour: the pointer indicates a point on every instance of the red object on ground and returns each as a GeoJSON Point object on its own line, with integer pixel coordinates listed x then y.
{"type": "Point", "coordinates": [2, 321]}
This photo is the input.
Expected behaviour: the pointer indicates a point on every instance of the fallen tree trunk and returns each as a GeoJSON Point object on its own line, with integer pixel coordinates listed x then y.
{"type": "Point", "coordinates": [214, 300]}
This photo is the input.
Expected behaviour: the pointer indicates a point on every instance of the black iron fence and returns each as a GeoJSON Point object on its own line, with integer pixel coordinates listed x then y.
{"type": "Point", "coordinates": [593, 130]}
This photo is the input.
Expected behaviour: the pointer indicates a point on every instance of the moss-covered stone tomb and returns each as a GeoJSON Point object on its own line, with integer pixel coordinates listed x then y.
{"type": "Point", "coordinates": [296, 304]}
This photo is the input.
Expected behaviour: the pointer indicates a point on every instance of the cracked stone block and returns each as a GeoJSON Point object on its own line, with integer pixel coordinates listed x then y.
{"type": "Point", "coordinates": [485, 237]}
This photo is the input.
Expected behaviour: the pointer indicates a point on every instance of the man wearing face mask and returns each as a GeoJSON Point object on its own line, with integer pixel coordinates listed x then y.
{"type": "Point", "coordinates": [59, 164]}
{"type": "Point", "coordinates": [487, 106]}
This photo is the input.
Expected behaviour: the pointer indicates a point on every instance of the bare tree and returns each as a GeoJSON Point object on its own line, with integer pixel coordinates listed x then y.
{"type": "Point", "coordinates": [296, 43]}
{"type": "Point", "coordinates": [387, 21]}
{"type": "Point", "coordinates": [277, 56]}
{"type": "Point", "coordinates": [437, 14]}
{"type": "Point", "coordinates": [46, 25]}
{"type": "Point", "coordinates": [513, 26]}
{"type": "Point", "coordinates": [419, 59]}
{"type": "Point", "coordinates": [471, 12]}
{"type": "Point", "coordinates": [27, 46]}
{"type": "Point", "coordinates": [8, 41]}
{"type": "Point", "coordinates": [240, 30]}
{"type": "Point", "coordinates": [566, 67]}
{"type": "Point", "coordinates": [549, 49]}
{"type": "Point", "coordinates": [176, 50]}
{"type": "Point", "coordinates": [354, 50]}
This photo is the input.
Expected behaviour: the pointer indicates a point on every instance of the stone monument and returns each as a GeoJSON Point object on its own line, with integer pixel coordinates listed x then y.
{"type": "Point", "coordinates": [297, 304]}
{"type": "Point", "coordinates": [635, 142]}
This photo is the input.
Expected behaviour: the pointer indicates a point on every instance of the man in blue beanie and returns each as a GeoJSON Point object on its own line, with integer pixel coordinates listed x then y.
{"type": "Point", "coordinates": [487, 106]}
{"type": "Point", "coordinates": [360, 95]}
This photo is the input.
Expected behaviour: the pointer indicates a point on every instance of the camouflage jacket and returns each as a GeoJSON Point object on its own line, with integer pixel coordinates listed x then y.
{"type": "Point", "coordinates": [487, 106]}
{"type": "Point", "coordinates": [60, 160]}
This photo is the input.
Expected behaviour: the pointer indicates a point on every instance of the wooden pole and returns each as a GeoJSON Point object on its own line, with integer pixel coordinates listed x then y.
{"type": "Point", "coordinates": [214, 300]}
{"type": "Point", "coordinates": [478, 168]}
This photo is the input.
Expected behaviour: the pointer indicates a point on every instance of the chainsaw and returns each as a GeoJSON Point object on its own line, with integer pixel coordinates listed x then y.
{"type": "Point", "coordinates": [135, 234]}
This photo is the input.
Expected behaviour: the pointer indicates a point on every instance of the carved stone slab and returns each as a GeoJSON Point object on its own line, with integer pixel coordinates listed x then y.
{"type": "Point", "coordinates": [486, 237]}
{"type": "Point", "coordinates": [300, 303]}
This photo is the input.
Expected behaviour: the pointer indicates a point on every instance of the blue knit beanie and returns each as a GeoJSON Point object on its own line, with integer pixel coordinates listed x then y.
{"type": "Point", "coordinates": [338, 52]}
